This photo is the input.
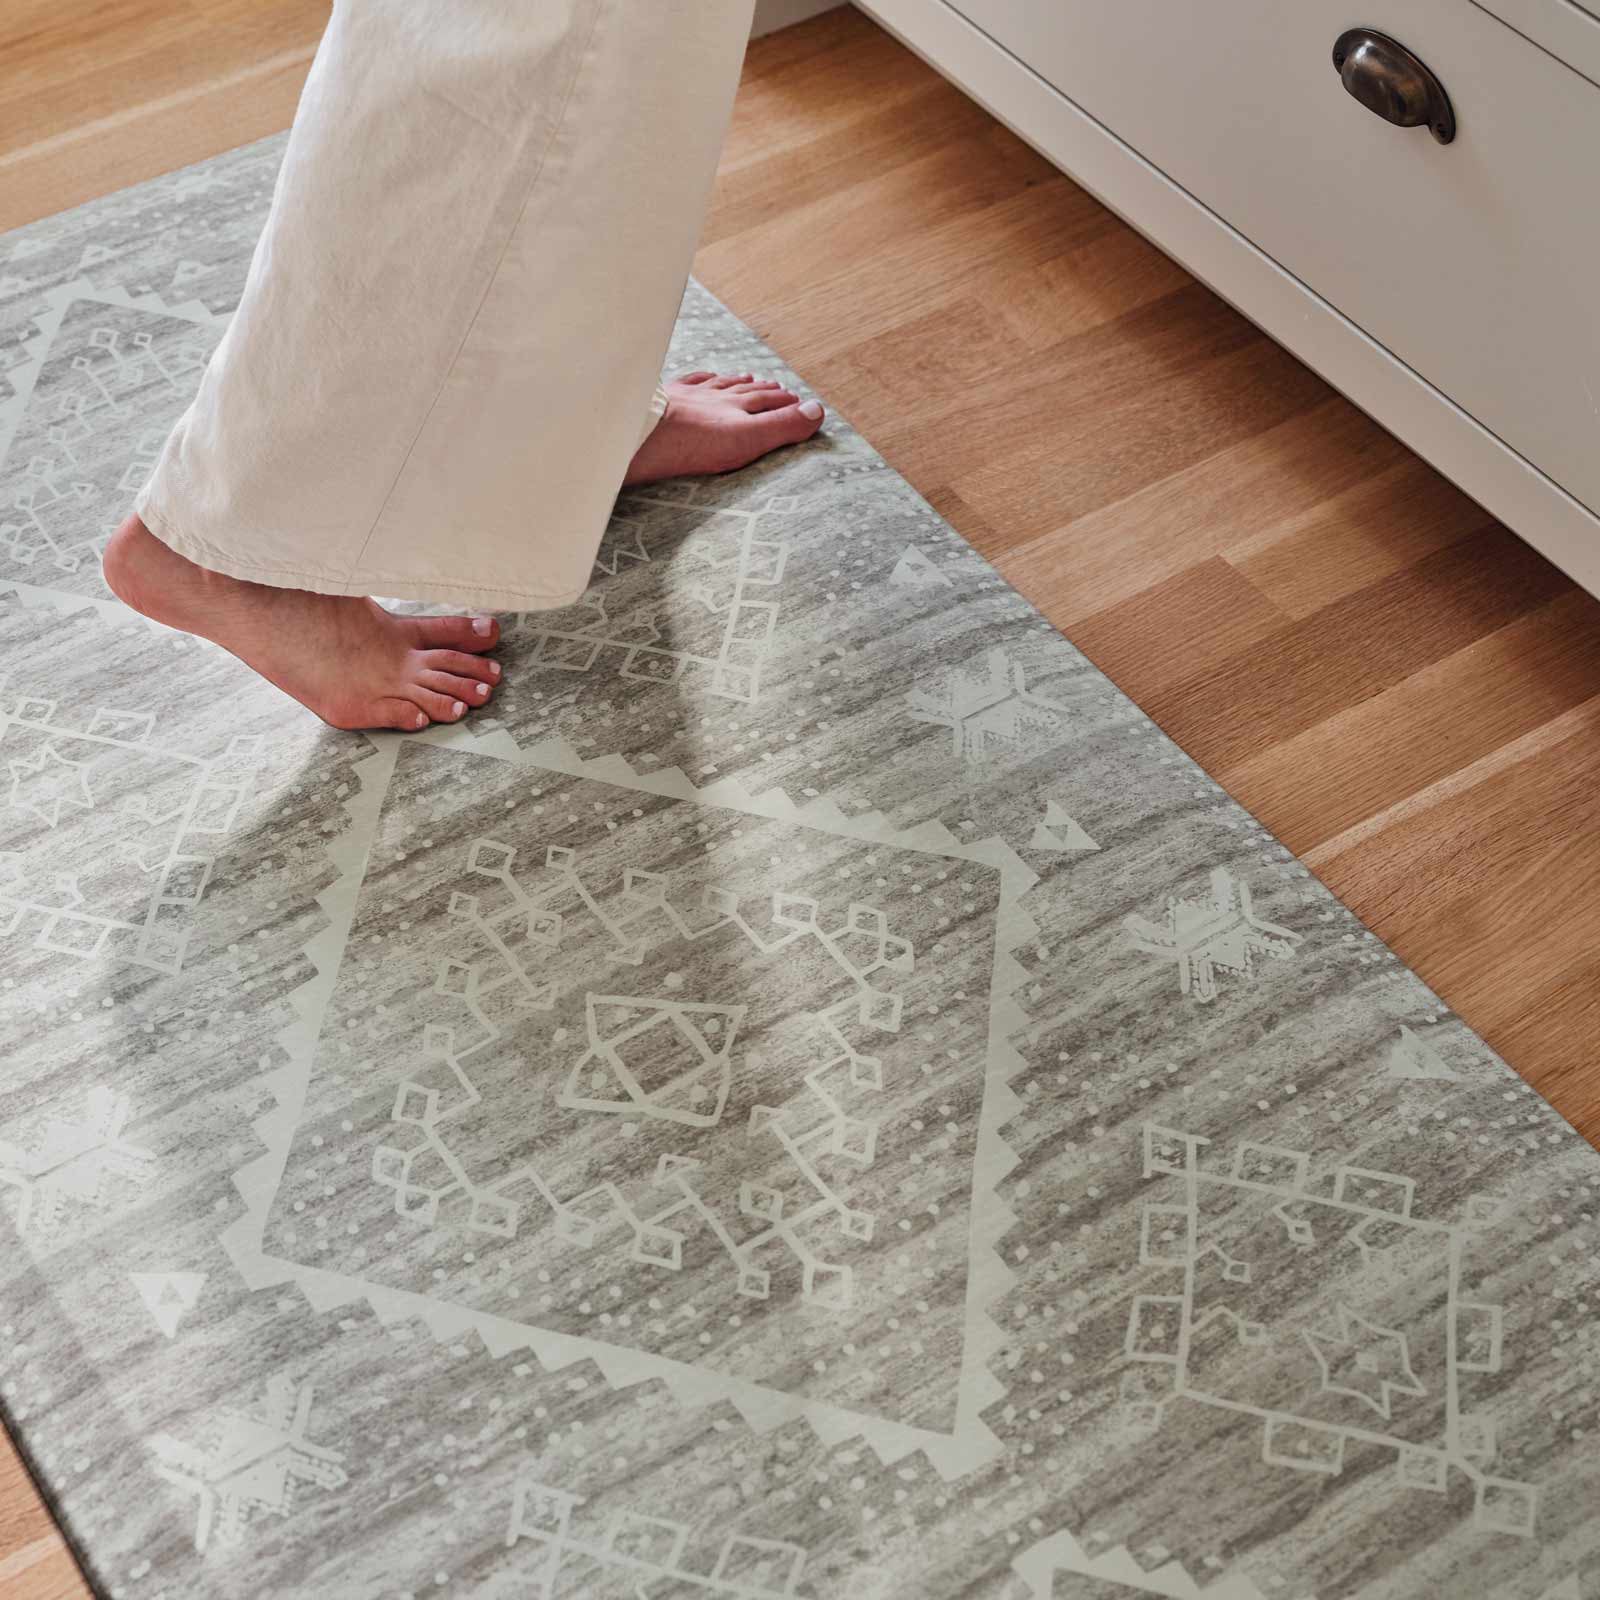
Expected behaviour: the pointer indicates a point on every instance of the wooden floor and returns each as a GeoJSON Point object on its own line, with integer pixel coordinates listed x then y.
{"type": "Point", "coordinates": [1399, 688]}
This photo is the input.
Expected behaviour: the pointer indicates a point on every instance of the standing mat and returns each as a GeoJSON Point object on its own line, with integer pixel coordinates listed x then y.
{"type": "Point", "coordinates": [813, 1095]}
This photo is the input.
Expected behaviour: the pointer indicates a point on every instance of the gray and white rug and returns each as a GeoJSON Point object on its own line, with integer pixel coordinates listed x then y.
{"type": "Point", "coordinates": [816, 1096]}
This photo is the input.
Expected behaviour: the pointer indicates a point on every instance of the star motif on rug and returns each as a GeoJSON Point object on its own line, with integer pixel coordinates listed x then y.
{"type": "Point", "coordinates": [49, 782]}
{"type": "Point", "coordinates": [1368, 1363]}
{"type": "Point", "coordinates": [983, 712]}
{"type": "Point", "coordinates": [253, 1463]}
{"type": "Point", "coordinates": [1218, 933]}
{"type": "Point", "coordinates": [74, 1162]}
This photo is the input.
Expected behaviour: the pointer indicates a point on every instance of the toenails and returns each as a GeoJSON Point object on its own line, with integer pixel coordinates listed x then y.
{"type": "Point", "coordinates": [718, 423]}
{"type": "Point", "coordinates": [446, 685]}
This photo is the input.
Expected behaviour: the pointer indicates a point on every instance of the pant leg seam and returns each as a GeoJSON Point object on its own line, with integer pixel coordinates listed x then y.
{"type": "Point", "coordinates": [556, 131]}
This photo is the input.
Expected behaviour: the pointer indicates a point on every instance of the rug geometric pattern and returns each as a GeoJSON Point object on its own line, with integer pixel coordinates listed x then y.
{"type": "Point", "coordinates": [811, 1094]}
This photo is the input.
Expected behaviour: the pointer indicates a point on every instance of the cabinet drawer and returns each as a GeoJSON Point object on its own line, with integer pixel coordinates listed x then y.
{"type": "Point", "coordinates": [1476, 263]}
{"type": "Point", "coordinates": [1565, 28]}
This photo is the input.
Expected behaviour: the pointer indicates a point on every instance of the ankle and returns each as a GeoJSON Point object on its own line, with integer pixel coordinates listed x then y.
{"type": "Point", "coordinates": [120, 564]}
{"type": "Point", "coordinates": [151, 577]}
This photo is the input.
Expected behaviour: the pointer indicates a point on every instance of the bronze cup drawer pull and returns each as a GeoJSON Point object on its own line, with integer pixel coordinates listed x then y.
{"type": "Point", "coordinates": [1389, 80]}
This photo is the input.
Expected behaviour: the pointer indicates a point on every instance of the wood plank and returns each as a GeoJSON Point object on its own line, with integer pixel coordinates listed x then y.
{"type": "Point", "coordinates": [124, 147]}
{"type": "Point", "coordinates": [1517, 679]}
{"type": "Point", "coordinates": [1386, 522]}
{"type": "Point", "coordinates": [828, 308]}
{"type": "Point", "coordinates": [1487, 885]}
{"type": "Point", "coordinates": [122, 53]}
{"type": "Point", "coordinates": [1099, 282]}
{"type": "Point", "coordinates": [1074, 394]}
{"type": "Point", "coordinates": [1356, 648]}
{"type": "Point", "coordinates": [34, 1561]}
{"type": "Point", "coordinates": [801, 78]}
{"type": "Point", "coordinates": [963, 176]}
{"type": "Point", "coordinates": [1196, 622]}
{"type": "Point", "coordinates": [839, 154]}
{"type": "Point", "coordinates": [1244, 492]}
{"type": "Point", "coordinates": [1173, 402]}
{"type": "Point", "coordinates": [1548, 1026]}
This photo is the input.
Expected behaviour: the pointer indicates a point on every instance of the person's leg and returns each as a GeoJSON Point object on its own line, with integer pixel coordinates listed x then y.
{"type": "Point", "coordinates": [434, 382]}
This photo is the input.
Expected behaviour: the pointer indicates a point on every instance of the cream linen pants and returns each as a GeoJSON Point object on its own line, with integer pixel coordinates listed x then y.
{"type": "Point", "coordinates": [458, 309]}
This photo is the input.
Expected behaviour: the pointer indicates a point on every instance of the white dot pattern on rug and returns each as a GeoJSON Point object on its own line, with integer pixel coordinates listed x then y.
{"type": "Point", "coordinates": [808, 1095]}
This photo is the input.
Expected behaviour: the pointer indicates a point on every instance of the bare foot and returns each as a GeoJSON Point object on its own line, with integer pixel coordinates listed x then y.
{"type": "Point", "coordinates": [718, 423]}
{"type": "Point", "coordinates": [344, 657]}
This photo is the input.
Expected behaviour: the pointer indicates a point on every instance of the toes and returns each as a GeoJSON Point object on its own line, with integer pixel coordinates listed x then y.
{"type": "Point", "coordinates": [768, 400]}
{"type": "Point", "coordinates": [456, 633]}
{"type": "Point", "coordinates": [788, 425]}
{"type": "Point", "coordinates": [728, 380]}
{"type": "Point", "coordinates": [481, 668]}
{"type": "Point", "coordinates": [438, 707]}
{"type": "Point", "coordinates": [694, 377]}
{"type": "Point", "coordinates": [471, 691]}
{"type": "Point", "coordinates": [403, 715]}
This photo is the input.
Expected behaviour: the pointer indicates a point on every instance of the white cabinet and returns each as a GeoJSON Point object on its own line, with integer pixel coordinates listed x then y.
{"type": "Point", "coordinates": [1453, 290]}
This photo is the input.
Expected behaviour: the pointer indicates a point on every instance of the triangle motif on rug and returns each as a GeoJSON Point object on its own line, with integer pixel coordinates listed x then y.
{"type": "Point", "coordinates": [914, 570]}
{"type": "Point", "coordinates": [169, 1296]}
{"type": "Point", "coordinates": [1060, 831]}
{"type": "Point", "coordinates": [1411, 1056]}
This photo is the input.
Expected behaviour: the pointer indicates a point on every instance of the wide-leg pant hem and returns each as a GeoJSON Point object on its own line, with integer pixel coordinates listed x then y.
{"type": "Point", "coordinates": [460, 302]}
{"type": "Point", "coordinates": [470, 594]}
